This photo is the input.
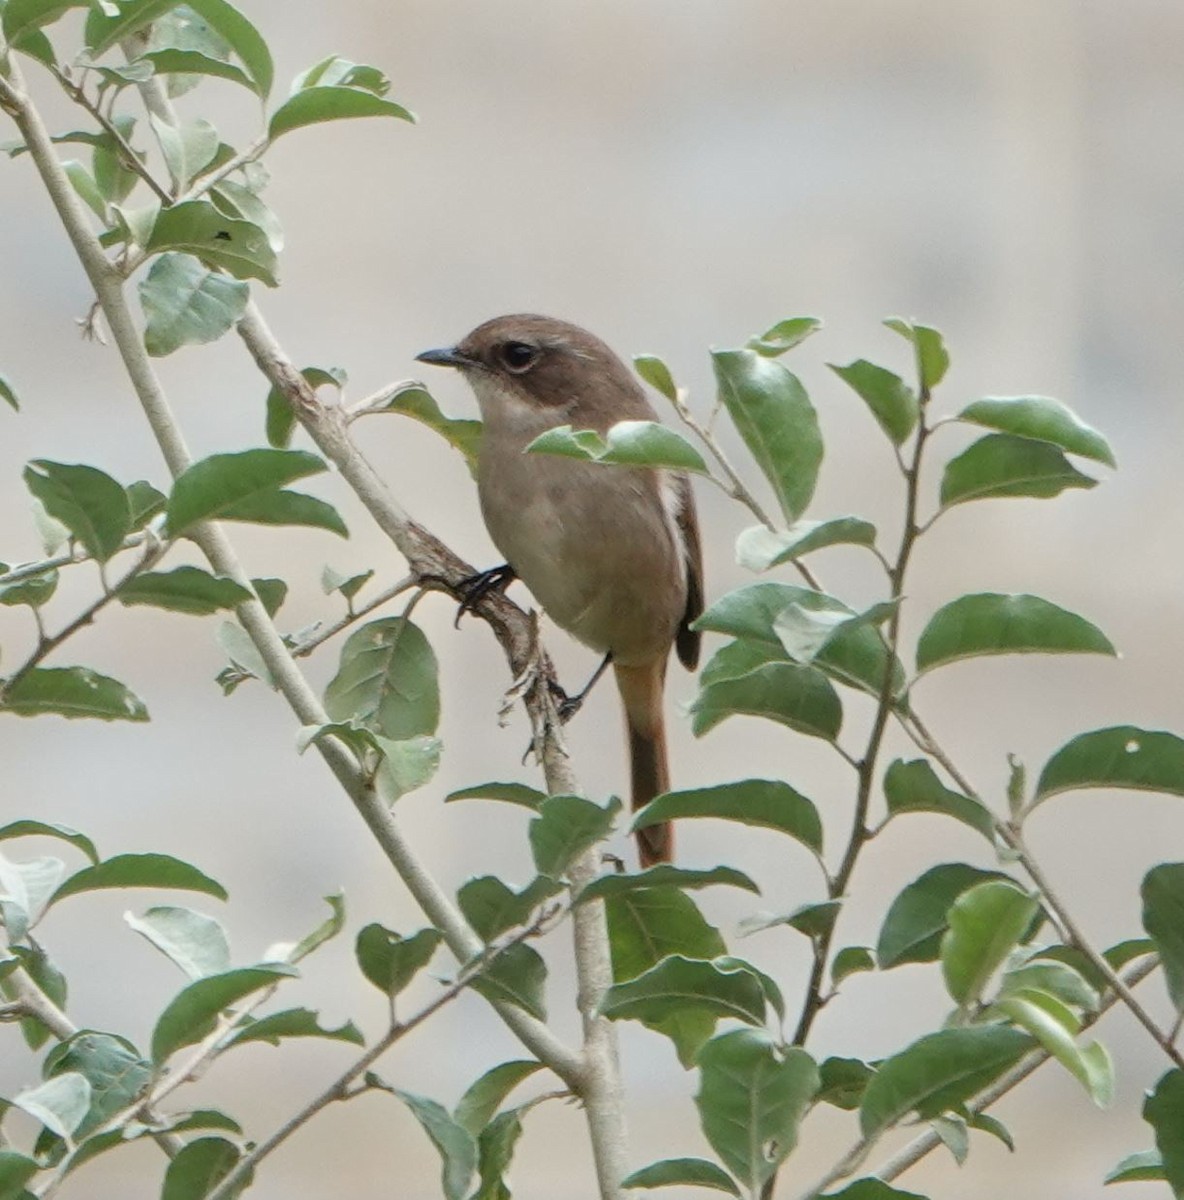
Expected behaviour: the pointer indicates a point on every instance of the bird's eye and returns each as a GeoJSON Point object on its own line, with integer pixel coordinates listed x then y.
{"type": "Point", "coordinates": [518, 356]}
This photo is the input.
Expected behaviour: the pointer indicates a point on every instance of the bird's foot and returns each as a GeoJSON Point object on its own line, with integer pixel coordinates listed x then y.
{"type": "Point", "coordinates": [475, 588]}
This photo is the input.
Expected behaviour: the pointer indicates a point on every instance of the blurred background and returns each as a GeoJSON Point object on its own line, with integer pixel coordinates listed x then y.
{"type": "Point", "coordinates": [673, 175]}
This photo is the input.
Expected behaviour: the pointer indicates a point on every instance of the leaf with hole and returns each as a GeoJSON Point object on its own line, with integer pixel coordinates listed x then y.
{"type": "Point", "coordinates": [196, 227]}
{"type": "Point", "coordinates": [1124, 756]}
{"type": "Point", "coordinates": [752, 1097]}
{"type": "Point", "coordinates": [73, 692]}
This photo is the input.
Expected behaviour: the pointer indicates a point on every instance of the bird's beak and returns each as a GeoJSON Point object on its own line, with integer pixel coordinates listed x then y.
{"type": "Point", "coordinates": [449, 356]}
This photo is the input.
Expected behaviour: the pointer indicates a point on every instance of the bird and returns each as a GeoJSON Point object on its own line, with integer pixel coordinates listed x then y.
{"type": "Point", "coordinates": [611, 554]}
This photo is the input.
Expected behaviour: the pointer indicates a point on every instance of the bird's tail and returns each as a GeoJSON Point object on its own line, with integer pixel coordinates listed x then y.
{"type": "Point", "coordinates": [642, 689]}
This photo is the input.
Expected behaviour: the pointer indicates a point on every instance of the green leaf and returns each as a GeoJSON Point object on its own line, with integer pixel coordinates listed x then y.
{"type": "Point", "coordinates": [752, 1097]}
{"type": "Point", "coordinates": [565, 827]}
{"type": "Point", "coordinates": [104, 29]}
{"type": "Point", "coordinates": [851, 960]}
{"type": "Point", "coordinates": [872, 1189]}
{"type": "Point", "coordinates": [844, 1080]}
{"type": "Point", "coordinates": [627, 443]}
{"type": "Point", "coordinates": [34, 590]}
{"type": "Point", "coordinates": [139, 870]}
{"type": "Point", "coordinates": [657, 374]}
{"type": "Point", "coordinates": [145, 502]}
{"type": "Point", "coordinates": [8, 394]}
{"type": "Point", "coordinates": [1043, 419]}
{"type": "Point", "coordinates": [295, 1022]}
{"type": "Point", "coordinates": [73, 692]}
{"type": "Point", "coordinates": [457, 1146]}
{"type": "Point", "coordinates": [1121, 757]}
{"type": "Point", "coordinates": [485, 1096]}
{"type": "Point", "coordinates": [195, 942]}
{"type": "Point", "coordinates": [91, 505]}
{"type": "Point", "coordinates": [23, 17]}
{"type": "Point", "coordinates": [1054, 1026]}
{"type": "Point", "coordinates": [196, 227]}
{"type": "Point", "coordinates": [240, 201]}
{"type": "Point", "coordinates": [854, 653]}
{"type": "Point", "coordinates": [227, 487]}
{"type": "Point", "coordinates": [986, 922]}
{"type": "Point", "coordinates": [691, 1172]}
{"type": "Point", "coordinates": [892, 402]}
{"type": "Point", "coordinates": [774, 416]}
{"type": "Point", "coordinates": [937, 1073]}
{"type": "Point", "coordinates": [916, 920]}
{"type": "Point", "coordinates": [932, 357]}
{"type": "Point", "coordinates": [281, 419]}
{"type": "Point", "coordinates": [175, 61]}
{"type": "Point", "coordinates": [953, 1134]}
{"type": "Point", "coordinates": [516, 976]}
{"type": "Point", "coordinates": [811, 920]}
{"type": "Point", "coordinates": [60, 1103]}
{"type": "Point", "coordinates": [83, 183]}
{"type": "Point", "coordinates": [783, 336]}
{"type": "Point", "coordinates": [1001, 465]}
{"type": "Point", "coordinates": [758, 548]}
{"type": "Point", "coordinates": [1057, 978]}
{"type": "Point", "coordinates": [993, 1126]}
{"type": "Point", "coordinates": [799, 697]}
{"type": "Point", "coordinates": [15, 1171]}
{"type": "Point", "coordinates": [647, 925]}
{"type": "Point", "coordinates": [48, 978]}
{"type": "Point", "coordinates": [769, 803]}
{"type": "Point", "coordinates": [184, 590]}
{"type": "Point", "coordinates": [988, 623]}
{"type": "Point", "coordinates": [114, 1068]}
{"type": "Point", "coordinates": [415, 401]}
{"type": "Point", "coordinates": [665, 875]}
{"type": "Point", "coordinates": [1135, 1168]}
{"type": "Point", "coordinates": [915, 787]}
{"type": "Point", "coordinates": [315, 104]}
{"type": "Point", "coordinates": [511, 793]}
{"type": "Point", "coordinates": [328, 929]}
{"type": "Point", "coordinates": [495, 1149]}
{"type": "Point", "coordinates": [492, 908]}
{"type": "Point", "coordinates": [199, 1167]}
{"type": "Point", "coordinates": [406, 764]}
{"type": "Point", "coordinates": [32, 828]}
{"type": "Point", "coordinates": [26, 888]}
{"type": "Point", "coordinates": [188, 147]}
{"type": "Point", "coordinates": [1164, 1112]}
{"type": "Point", "coordinates": [1163, 918]}
{"type": "Point", "coordinates": [271, 592]}
{"type": "Point", "coordinates": [242, 37]}
{"type": "Point", "coordinates": [192, 1013]}
{"type": "Point", "coordinates": [387, 680]}
{"type": "Point", "coordinates": [677, 984]}
{"type": "Point", "coordinates": [288, 508]}
{"type": "Point", "coordinates": [187, 304]}
{"type": "Point", "coordinates": [390, 961]}
{"type": "Point", "coordinates": [348, 585]}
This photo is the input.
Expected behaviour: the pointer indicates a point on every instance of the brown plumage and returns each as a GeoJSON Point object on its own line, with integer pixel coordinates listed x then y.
{"type": "Point", "coordinates": [611, 554]}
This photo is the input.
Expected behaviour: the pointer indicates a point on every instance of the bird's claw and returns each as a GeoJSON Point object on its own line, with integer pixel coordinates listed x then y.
{"type": "Point", "coordinates": [476, 587]}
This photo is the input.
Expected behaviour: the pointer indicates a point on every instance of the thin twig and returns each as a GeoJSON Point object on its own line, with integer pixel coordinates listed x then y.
{"type": "Point", "coordinates": [31, 570]}
{"type": "Point", "coordinates": [46, 645]}
{"type": "Point", "coordinates": [323, 635]}
{"type": "Point", "coordinates": [127, 155]}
